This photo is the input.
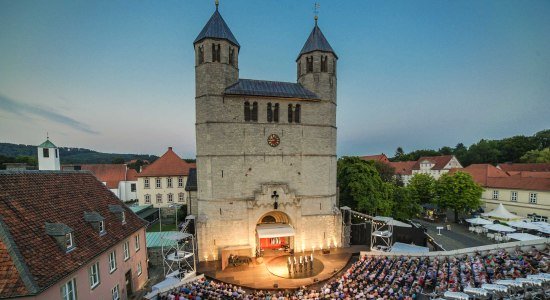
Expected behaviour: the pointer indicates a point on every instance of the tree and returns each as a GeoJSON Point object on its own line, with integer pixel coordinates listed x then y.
{"type": "Point", "coordinates": [483, 152]}
{"type": "Point", "coordinates": [537, 156]}
{"type": "Point", "coordinates": [404, 206]}
{"type": "Point", "coordinates": [459, 192]}
{"type": "Point", "coordinates": [385, 171]}
{"type": "Point", "coordinates": [446, 150]}
{"type": "Point", "coordinates": [361, 187]}
{"type": "Point", "coordinates": [422, 188]}
{"type": "Point", "coordinates": [460, 152]}
{"type": "Point", "coordinates": [512, 148]}
{"type": "Point", "coordinates": [399, 152]}
{"type": "Point", "coordinates": [118, 161]}
{"type": "Point", "coordinates": [543, 139]}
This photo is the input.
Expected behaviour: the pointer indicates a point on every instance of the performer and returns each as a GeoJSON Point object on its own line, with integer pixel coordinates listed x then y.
{"type": "Point", "coordinates": [289, 265]}
{"type": "Point", "coordinates": [301, 264]}
{"type": "Point", "coordinates": [311, 261]}
{"type": "Point", "coordinates": [306, 264]}
{"type": "Point", "coordinates": [295, 265]}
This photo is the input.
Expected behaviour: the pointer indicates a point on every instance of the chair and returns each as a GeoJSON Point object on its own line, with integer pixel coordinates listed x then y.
{"type": "Point", "coordinates": [490, 235]}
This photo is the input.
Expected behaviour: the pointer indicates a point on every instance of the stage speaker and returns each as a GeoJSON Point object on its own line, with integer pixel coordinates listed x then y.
{"type": "Point", "coordinates": [276, 285]}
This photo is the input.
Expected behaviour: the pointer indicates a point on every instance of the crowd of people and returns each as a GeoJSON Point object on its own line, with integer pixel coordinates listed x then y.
{"type": "Point", "coordinates": [399, 278]}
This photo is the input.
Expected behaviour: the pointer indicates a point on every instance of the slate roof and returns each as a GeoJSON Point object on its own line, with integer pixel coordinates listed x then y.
{"type": "Point", "coordinates": [216, 28]}
{"type": "Point", "coordinates": [47, 144]}
{"type": "Point", "coordinates": [250, 87]}
{"type": "Point", "coordinates": [29, 200]}
{"type": "Point", "coordinates": [316, 42]}
{"type": "Point", "coordinates": [191, 184]}
{"type": "Point", "coordinates": [169, 164]}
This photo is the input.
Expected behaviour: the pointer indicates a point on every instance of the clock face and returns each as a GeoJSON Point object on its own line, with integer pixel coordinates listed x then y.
{"type": "Point", "coordinates": [273, 140]}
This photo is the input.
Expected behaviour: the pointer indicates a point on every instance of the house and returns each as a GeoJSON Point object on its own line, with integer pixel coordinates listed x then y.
{"type": "Point", "coordinates": [527, 196]}
{"type": "Point", "coordinates": [120, 179]}
{"type": "Point", "coordinates": [377, 157]}
{"type": "Point", "coordinates": [64, 235]}
{"type": "Point", "coordinates": [162, 183]}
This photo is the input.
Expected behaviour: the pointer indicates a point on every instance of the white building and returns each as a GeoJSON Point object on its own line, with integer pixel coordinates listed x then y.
{"type": "Point", "coordinates": [48, 156]}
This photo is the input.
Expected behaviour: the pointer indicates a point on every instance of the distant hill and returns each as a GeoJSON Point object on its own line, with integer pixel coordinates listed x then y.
{"type": "Point", "coordinates": [14, 152]}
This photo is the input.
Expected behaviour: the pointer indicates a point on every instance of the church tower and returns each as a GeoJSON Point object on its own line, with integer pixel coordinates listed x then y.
{"type": "Point", "coordinates": [48, 156]}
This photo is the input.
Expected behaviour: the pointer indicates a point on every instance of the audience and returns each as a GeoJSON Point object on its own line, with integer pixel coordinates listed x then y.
{"type": "Point", "coordinates": [398, 278]}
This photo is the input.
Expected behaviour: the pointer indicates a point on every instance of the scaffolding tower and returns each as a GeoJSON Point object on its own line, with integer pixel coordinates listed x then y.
{"type": "Point", "coordinates": [179, 255]}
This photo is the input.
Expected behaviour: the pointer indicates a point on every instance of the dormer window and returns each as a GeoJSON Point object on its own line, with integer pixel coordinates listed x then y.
{"type": "Point", "coordinates": [101, 227]}
{"type": "Point", "coordinates": [119, 211]}
{"type": "Point", "coordinates": [62, 234]}
{"type": "Point", "coordinates": [96, 220]}
{"type": "Point", "coordinates": [123, 217]}
{"type": "Point", "coordinates": [69, 240]}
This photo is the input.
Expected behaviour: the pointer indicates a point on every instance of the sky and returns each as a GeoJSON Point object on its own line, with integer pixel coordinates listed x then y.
{"type": "Point", "coordinates": [118, 76]}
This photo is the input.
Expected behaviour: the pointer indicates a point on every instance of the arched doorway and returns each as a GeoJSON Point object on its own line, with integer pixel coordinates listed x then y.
{"type": "Point", "coordinates": [274, 234]}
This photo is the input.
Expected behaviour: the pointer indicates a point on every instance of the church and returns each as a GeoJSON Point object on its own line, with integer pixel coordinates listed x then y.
{"type": "Point", "coordinates": [266, 150]}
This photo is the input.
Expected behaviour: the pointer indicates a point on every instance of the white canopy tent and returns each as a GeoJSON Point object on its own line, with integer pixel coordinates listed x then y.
{"type": "Point", "coordinates": [499, 228]}
{"type": "Point", "coordinates": [523, 225]}
{"type": "Point", "coordinates": [479, 221]}
{"type": "Point", "coordinates": [409, 248]}
{"type": "Point", "coordinates": [501, 213]}
{"type": "Point", "coordinates": [274, 230]}
{"type": "Point", "coordinates": [391, 221]}
{"type": "Point", "coordinates": [524, 236]}
{"type": "Point", "coordinates": [543, 227]}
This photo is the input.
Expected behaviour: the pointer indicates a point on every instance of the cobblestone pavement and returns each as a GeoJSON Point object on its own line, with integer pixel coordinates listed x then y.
{"type": "Point", "coordinates": [457, 238]}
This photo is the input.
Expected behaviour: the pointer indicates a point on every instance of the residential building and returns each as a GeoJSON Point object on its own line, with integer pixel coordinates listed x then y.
{"type": "Point", "coordinates": [120, 179]}
{"type": "Point", "coordinates": [48, 156]}
{"type": "Point", "coordinates": [377, 157]}
{"type": "Point", "coordinates": [64, 235]}
{"type": "Point", "coordinates": [162, 183]}
{"type": "Point", "coordinates": [528, 197]}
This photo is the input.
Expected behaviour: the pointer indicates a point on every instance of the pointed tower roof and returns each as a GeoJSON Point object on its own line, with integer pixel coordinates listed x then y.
{"type": "Point", "coordinates": [216, 28]}
{"type": "Point", "coordinates": [316, 42]}
{"type": "Point", "coordinates": [47, 144]}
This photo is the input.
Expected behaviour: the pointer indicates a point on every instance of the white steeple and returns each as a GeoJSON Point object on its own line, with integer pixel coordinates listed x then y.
{"type": "Point", "coordinates": [48, 156]}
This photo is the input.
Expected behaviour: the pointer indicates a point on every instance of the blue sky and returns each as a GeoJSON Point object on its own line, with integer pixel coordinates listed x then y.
{"type": "Point", "coordinates": [118, 76]}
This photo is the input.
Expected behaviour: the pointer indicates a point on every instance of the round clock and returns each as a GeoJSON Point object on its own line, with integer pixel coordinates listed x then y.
{"type": "Point", "coordinates": [273, 140]}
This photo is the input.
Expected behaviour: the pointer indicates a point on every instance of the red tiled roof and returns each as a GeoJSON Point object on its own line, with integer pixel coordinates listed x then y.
{"type": "Point", "coordinates": [111, 174]}
{"type": "Point", "coordinates": [489, 176]}
{"type": "Point", "coordinates": [510, 167]}
{"type": "Point", "coordinates": [535, 174]}
{"type": "Point", "coordinates": [11, 284]}
{"type": "Point", "coordinates": [169, 164]}
{"type": "Point", "coordinates": [480, 172]}
{"type": "Point", "coordinates": [131, 175]}
{"type": "Point", "coordinates": [29, 199]}
{"type": "Point", "coordinates": [403, 167]}
{"type": "Point", "coordinates": [378, 157]}
{"type": "Point", "coordinates": [439, 161]}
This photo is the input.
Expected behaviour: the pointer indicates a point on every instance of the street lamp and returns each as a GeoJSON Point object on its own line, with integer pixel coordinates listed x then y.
{"type": "Point", "coordinates": [160, 221]}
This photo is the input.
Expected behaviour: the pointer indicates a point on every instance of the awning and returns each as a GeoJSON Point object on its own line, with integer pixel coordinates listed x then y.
{"type": "Point", "coordinates": [524, 236]}
{"type": "Point", "coordinates": [274, 230]}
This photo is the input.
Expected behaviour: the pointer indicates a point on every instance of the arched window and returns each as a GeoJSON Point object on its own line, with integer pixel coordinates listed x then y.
{"type": "Point", "coordinates": [231, 56]}
{"type": "Point", "coordinates": [247, 111]}
{"type": "Point", "coordinates": [254, 116]}
{"type": "Point", "coordinates": [201, 54]}
{"type": "Point", "coordinates": [276, 113]}
{"type": "Point", "coordinates": [297, 112]}
{"type": "Point", "coordinates": [324, 63]}
{"type": "Point", "coordinates": [290, 113]}
{"type": "Point", "coordinates": [269, 219]}
{"type": "Point", "coordinates": [309, 66]}
{"type": "Point", "coordinates": [216, 52]}
{"type": "Point", "coordinates": [269, 112]}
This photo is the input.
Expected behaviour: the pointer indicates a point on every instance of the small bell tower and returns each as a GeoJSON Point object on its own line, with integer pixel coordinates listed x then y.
{"type": "Point", "coordinates": [48, 156]}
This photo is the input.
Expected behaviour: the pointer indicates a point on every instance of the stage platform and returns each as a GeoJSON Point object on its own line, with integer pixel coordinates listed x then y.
{"type": "Point", "coordinates": [258, 276]}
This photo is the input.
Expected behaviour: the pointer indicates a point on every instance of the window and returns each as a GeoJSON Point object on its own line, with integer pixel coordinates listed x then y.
{"type": "Point", "coordinates": [56, 153]}
{"type": "Point", "coordinates": [495, 195]}
{"type": "Point", "coordinates": [169, 182]}
{"type": "Point", "coordinates": [69, 240]}
{"type": "Point", "coordinates": [139, 270]}
{"type": "Point", "coordinates": [247, 111]}
{"type": "Point", "coordinates": [181, 197]}
{"type": "Point", "coordinates": [269, 113]}
{"type": "Point", "coordinates": [112, 262]}
{"type": "Point", "coordinates": [324, 63]}
{"type": "Point", "coordinates": [132, 187]}
{"type": "Point", "coordinates": [126, 248]}
{"type": "Point", "coordinates": [216, 52]}
{"type": "Point", "coordinates": [115, 293]}
{"type": "Point", "coordinates": [297, 112]}
{"type": "Point", "coordinates": [123, 215]}
{"type": "Point", "coordinates": [276, 113]}
{"type": "Point", "coordinates": [137, 242]}
{"type": "Point", "coordinates": [231, 56]}
{"type": "Point", "coordinates": [180, 181]}
{"type": "Point", "coordinates": [309, 64]}
{"type": "Point", "coordinates": [201, 54]}
{"type": "Point", "coordinates": [170, 198]}
{"type": "Point", "coordinates": [290, 113]}
{"type": "Point", "coordinates": [146, 183]}
{"type": "Point", "coordinates": [147, 198]}
{"type": "Point", "coordinates": [94, 275]}
{"type": "Point", "coordinates": [46, 152]}
{"type": "Point", "coordinates": [254, 114]}
{"type": "Point", "coordinates": [101, 227]}
{"type": "Point", "coordinates": [299, 71]}
{"type": "Point", "coordinates": [159, 198]}
{"type": "Point", "coordinates": [533, 198]}
{"type": "Point", "coordinates": [68, 290]}
{"type": "Point", "coordinates": [158, 183]}
{"type": "Point", "coordinates": [513, 196]}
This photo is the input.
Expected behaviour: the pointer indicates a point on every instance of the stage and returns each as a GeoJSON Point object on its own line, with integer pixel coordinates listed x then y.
{"type": "Point", "coordinates": [273, 270]}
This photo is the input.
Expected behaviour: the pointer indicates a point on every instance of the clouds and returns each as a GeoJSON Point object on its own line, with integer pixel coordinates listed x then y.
{"type": "Point", "coordinates": [28, 111]}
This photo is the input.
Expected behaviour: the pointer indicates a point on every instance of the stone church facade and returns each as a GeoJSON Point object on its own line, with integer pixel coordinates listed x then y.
{"type": "Point", "coordinates": [266, 151]}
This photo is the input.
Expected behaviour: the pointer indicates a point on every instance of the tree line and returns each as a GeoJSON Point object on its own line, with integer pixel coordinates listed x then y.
{"type": "Point", "coordinates": [525, 149]}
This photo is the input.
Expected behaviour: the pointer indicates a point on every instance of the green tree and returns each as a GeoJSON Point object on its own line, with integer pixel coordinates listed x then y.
{"type": "Point", "coordinates": [385, 171]}
{"type": "Point", "coordinates": [536, 156]}
{"type": "Point", "coordinates": [459, 192]}
{"type": "Point", "coordinates": [461, 152]}
{"type": "Point", "coordinates": [399, 152]}
{"type": "Point", "coordinates": [361, 187]}
{"type": "Point", "coordinates": [512, 148]}
{"type": "Point", "coordinates": [404, 206]}
{"type": "Point", "coordinates": [543, 139]}
{"type": "Point", "coordinates": [422, 188]}
{"type": "Point", "coordinates": [484, 151]}
{"type": "Point", "coordinates": [446, 150]}
{"type": "Point", "coordinates": [118, 161]}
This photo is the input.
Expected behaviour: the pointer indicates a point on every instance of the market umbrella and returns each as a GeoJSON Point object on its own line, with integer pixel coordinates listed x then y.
{"type": "Point", "coordinates": [524, 236]}
{"type": "Point", "coordinates": [543, 227]}
{"type": "Point", "coordinates": [523, 225]}
{"type": "Point", "coordinates": [499, 228]}
{"type": "Point", "coordinates": [479, 221]}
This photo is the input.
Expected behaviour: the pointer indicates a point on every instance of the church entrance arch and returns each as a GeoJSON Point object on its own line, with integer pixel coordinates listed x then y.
{"type": "Point", "coordinates": [274, 234]}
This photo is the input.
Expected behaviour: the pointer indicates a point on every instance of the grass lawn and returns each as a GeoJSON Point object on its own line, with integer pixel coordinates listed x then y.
{"type": "Point", "coordinates": [165, 227]}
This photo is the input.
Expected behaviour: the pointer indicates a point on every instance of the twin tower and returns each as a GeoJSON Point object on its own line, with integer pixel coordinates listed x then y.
{"type": "Point", "coordinates": [266, 150]}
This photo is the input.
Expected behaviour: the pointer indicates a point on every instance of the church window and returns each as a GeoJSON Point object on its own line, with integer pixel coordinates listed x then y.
{"type": "Point", "coordinates": [231, 56]}
{"type": "Point", "coordinates": [324, 64]}
{"type": "Point", "coordinates": [309, 65]}
{"type": "Point", "coordinates": [247, 111]}
{"type": "Point", "coordinates": [290, 113]}
{"type": "Point", "coordinates": [201, 54]}
{"type": "Point", "coordinates": [276, 113]}
{"type": "Point", "coordinates": [299, 68]}
{"type": "Point", "coordinates": [269, 112]}
{"type": "Point", "coordinates": [46, 152]}
{"type": "Point", "coordinates": [254, 115]}
{"type": "Point", "coordinates": [216, 52]}
{"type": "Point", "coordinates": [297, 112]}
{"type": "Point", "coordinates": [159, 198]}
